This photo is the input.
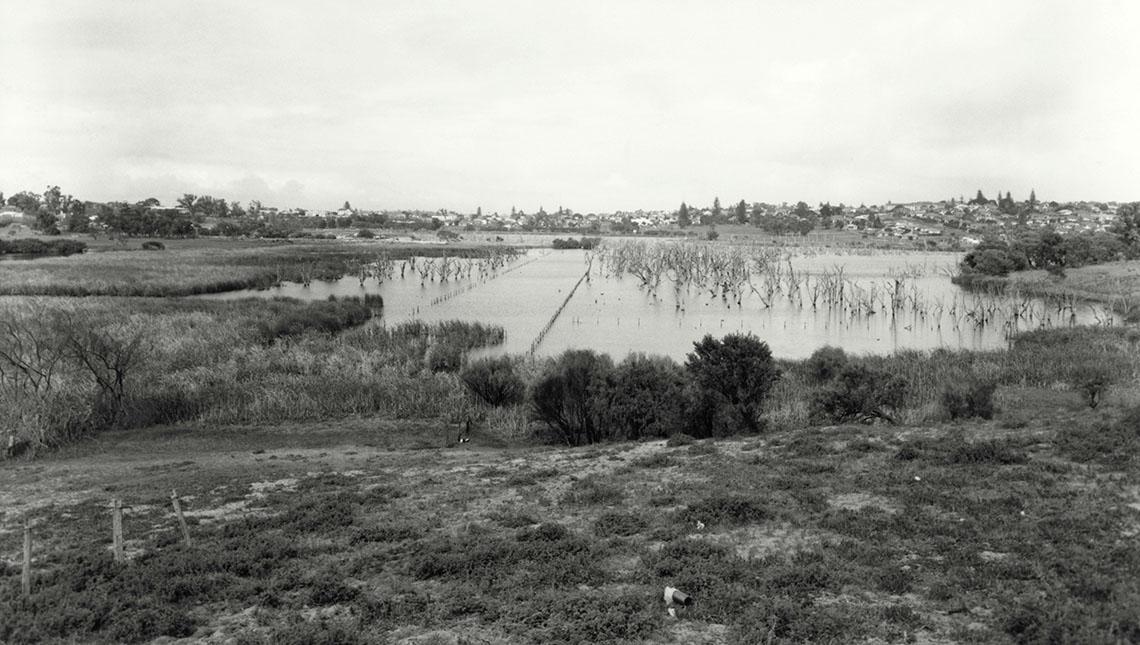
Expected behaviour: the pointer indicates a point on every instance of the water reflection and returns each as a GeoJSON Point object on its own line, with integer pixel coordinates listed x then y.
{"type": "Point", "coordinates": [914, 305]}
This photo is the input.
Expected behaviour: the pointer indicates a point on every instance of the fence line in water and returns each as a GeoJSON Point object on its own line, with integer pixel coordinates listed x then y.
{"type": "Point", "coordinates": [557, 312]}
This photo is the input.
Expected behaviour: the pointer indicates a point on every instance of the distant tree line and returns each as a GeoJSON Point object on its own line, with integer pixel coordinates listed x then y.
{"type": "Point", "coordinates": [1050, 250]}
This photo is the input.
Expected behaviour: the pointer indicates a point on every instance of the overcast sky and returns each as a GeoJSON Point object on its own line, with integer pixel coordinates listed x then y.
{"type": "Point", "coordinates": [594, 106]}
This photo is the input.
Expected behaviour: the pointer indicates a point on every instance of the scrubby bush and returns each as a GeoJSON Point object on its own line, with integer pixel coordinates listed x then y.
{"type": "Point", "coordinates": [860, 394]}
{"type": "Point", "coordinates": [642, 397]}
{"type": "Point", "coordinates": [494, 381]}
{"type": "Point", "coordinates": [562, 396]}
{"type": "Point", "coordinates": [365, 233]}
{"type": "Point", "coordinates": [1092, 383]}
{"type": "Point", "coordinates": [993, 451]}
{"type": "Point", "coordinates": [826, 363]}
{"type": "Point", "coordinates": [736, 373]}
{"type": "Point", "coordinates": [726, 510]}
{"type": "Point", "coordinates": [969, 400]}
{"type": "Point", "coordinates": [618, 523]}
{"type": "Point", "coordinates": [1116, 443]}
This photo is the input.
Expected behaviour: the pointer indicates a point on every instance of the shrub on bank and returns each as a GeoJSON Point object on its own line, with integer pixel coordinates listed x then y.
{"type": "Point", "coordinates": [969, 400]}
{"type": "Point", "coordinates": [860, 394]}
{"type": "Point", "coordinates": [642, 397]}
{"type": "Point", "coordinates": [826, 363]}
{"type": "Point", "coordinates": [735, 373]}
{"type": "Point", "coordinates": [494, 381]}
{"type": "Point", "coordinates": [562, 395]}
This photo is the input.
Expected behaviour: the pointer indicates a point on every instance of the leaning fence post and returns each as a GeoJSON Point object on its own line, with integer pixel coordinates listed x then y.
{"type": "Point", "coordinates": [181, 519]}
{"type": "Point", "coordinates": [117, 528]}
{"type": "Point", "coordinates": [26, 573]}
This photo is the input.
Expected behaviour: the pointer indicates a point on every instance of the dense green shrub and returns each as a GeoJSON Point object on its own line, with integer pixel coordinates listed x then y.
{"type": "Point", "coordinates": [494, 381]}
{"type": "Point", "coordinates": [562, 396]}
{"type": "Point", "coordinates": [737, 372]}
{"type": "Point", "coordinates": [826, 363]}
{"type": "Point", "coordinates": [642, 397]}
{"type": "Point", "coordinates": [860, 394]}
{"type": "Point", "coordinates": [969, 400]}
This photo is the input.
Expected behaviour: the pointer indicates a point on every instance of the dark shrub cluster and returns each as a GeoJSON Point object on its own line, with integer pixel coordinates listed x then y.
{"type": "Point", "coordinates": [641, 397]}
{"type": "Point", "coordinates": [34, 246]}
{"type": "Point", "coordinates": [494, 381]}
{"type": "Point", "coordinates": [862, 394]}
{"type": "Point", "coordinates": [825, 364]}
{"type": "Point", "coordinates": [584, 398]}
{"type": "Point", "coordinates": [969, 400]}
{"type": "Point", "coordinates": [571, 243]}
{"type": "Point", "coordinates": [726, 510]}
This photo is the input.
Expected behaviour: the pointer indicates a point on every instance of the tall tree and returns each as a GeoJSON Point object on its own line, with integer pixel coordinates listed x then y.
{"type": "Point", "coordinates": [187, 201]}
{"type": "Point", "coordinates": [741, 213]}
{"type": "Point", "coordinates": [683, 217]}
{"type": "Point", "coordinates": [52, 198]}
{"type": "Point", "coordinates": [716, 211]}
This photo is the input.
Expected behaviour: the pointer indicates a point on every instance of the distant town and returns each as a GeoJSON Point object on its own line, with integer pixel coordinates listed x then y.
{"type": "Point", "coordinates": [955, 222]}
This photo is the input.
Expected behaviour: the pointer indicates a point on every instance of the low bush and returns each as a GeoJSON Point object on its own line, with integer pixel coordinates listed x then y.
{"type": "Point", "coordinates": [1113, 443]}
{"type": "Point", "coordinates": [642, 397]}
{"type": "Point", "coordinates": [860, 394]}
{"type": "Point", "coordinates": [618, 523]}
{"type": "Point", "coordinates": [726, 510]}
{"type": "Point", "coordinates": [562, 397]}
{"type": "Point", "coordinates": [991, 451]}
{"type": "Point", "coordinates": [592, 492]}
{"type": "Point", "coordinates": [1092, 385]}
{"type": "Point", "coordinates": [969, 400]}
{"type": "Point", "coordinates": [153, 245]}
{"type": "Point", "coordinates": [734, 374]}
{"type": "Point", "coordinates": [494, 381]}
{"type": "Point", "coordinates": [825, 364]}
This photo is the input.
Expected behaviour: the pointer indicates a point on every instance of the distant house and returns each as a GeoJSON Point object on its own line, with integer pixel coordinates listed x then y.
{"type": "Point", "coordinates": [13, 214]}
{"type": "Point", "coordinates": [168, 211]}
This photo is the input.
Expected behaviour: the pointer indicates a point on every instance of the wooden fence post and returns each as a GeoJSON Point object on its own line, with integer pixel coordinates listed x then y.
{"type": "Point", "coordinates": [117, 529]}
{"type": "Point", "coordinates": [26, 573]}
{"type": "Point", "coordinates": [181, 519]}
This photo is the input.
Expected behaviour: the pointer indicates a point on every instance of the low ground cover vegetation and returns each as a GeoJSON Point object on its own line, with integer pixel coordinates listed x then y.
{"type": "Point", "coordinates": [962, 532]}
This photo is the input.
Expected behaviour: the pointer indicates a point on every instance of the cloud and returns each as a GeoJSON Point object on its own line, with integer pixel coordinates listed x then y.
{"type": "Point", "coordinates": [436, 104]}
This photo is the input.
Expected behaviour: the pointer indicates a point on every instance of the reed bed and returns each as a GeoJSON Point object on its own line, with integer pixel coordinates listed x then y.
{"type": "Point", "coordinates": [215, 362]}
{"type": "Point", "coordinates": [763, 277]}
{"type": "Point", "coordinates": [197, 270]}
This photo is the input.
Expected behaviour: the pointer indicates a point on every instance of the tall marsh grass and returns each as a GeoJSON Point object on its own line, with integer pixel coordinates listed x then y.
{"type": "Point", "coordinates": [217, 362]}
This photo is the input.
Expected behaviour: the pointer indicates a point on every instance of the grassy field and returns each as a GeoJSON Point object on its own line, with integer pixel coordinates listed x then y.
{"type": "Point", "coordinates": [1115, 284]}
{"type": "Point", "coordinates": [369, 531]}
{"type": "Point", "coordinates": [188, 267]}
